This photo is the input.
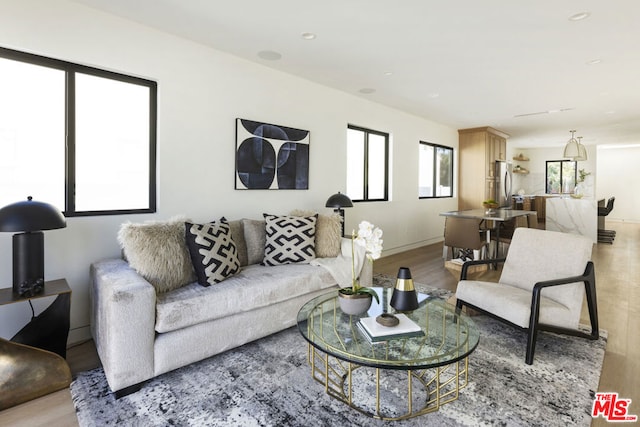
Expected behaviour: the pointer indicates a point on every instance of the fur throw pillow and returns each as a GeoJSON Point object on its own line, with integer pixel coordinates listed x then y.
{"type": "Point", "coordinates": [157, 250]}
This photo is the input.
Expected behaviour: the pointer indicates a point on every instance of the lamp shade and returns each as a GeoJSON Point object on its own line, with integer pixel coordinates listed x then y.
{"type": "Point", "coordinates": [339, 200]}
{"type": "Point", "coordinates": [571, 149]}
{"type": "Point", "coordinates": [582, 151]}
{"type": "Point", "coordinates": [30, 215]}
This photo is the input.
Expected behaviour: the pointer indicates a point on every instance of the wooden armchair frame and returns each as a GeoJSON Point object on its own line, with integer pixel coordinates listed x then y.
{"type": "Point", "coordinates": [589, 279]}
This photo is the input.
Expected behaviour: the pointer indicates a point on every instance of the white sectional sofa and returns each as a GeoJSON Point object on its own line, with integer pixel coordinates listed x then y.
{"type": "Point", "coordinates": [141, 333]}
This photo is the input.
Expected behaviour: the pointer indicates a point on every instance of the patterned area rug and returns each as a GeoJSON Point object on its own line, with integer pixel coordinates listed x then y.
{"type": "Point", "coordinates": [268, 383]}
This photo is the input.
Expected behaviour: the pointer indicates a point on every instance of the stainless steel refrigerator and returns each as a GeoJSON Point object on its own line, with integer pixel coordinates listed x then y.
{"type": "Point", "coordinates": [504, 180]}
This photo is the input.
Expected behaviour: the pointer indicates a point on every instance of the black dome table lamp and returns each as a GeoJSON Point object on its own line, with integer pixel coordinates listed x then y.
{"type": "Point", "coordinates": [339, 201]}
{"type": "Point", "coordinates": [29, 218]}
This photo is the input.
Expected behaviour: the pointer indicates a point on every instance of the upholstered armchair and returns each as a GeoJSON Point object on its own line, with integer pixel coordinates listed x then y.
{"type": "Point", "coordinates": [544, 279]}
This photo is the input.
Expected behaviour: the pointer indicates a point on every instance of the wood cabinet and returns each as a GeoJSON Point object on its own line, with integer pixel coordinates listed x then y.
{"type": "Point", "coordinates": [478, 150]}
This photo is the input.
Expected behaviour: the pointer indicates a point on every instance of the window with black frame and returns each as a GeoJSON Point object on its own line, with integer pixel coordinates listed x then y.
{"type": "Point", "coordinates": [78, 137]}
{"type": "Point", "coordinates": [560, 176]}
{"type": "Point", "coordinates": [435, 175]}
{"type": "Point", "coordinates": [367, 164]}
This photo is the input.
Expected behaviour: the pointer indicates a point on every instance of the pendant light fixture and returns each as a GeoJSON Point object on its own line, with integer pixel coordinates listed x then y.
{"type": "Point", "coordinates": [582, 151]}
{"type": "Point", "coordinates": [571, 150]}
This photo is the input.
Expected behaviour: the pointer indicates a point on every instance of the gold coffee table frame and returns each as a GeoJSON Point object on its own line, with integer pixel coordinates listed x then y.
{"type": "Point", "coordinates": [436, 365]}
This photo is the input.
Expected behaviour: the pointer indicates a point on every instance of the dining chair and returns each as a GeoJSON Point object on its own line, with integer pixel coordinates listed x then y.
{"type": "Point", "coordinates": [463, 234]}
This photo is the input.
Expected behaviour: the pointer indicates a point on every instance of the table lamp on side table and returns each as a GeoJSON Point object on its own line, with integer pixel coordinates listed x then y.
{"type": "Point", "coordinates": [339, 201]}
{"type": "Point", "coordinates": [30, 218]}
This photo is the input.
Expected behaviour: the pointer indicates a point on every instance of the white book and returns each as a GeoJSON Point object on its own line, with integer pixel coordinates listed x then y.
{"type": "Point", "coordinates": [406, 327]}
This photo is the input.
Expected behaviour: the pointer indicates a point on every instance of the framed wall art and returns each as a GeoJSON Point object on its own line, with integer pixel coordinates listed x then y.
{"type": "Point", "coordinates": [271, 157]}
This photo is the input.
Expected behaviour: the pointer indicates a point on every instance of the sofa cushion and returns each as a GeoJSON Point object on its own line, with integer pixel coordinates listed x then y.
{"type": "Point", "coordinates": [253, 287]}
{"type": "Point", "coordinates": [157, 251]}
{"type": "Point", "coordinates": [254, 236]}
{"type": "Point", "coordinates": [328, 233]}
{"type": "Point", "coordinates": [289, 239]}
{"type": "Point", "coordinates": [213, 253]}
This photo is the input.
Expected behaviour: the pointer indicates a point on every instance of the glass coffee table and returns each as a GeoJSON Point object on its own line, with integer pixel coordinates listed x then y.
{"type": "Point", "coordinates": [393, 379]}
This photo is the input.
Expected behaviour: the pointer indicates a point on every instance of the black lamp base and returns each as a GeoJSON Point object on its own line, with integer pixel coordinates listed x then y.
{"type": "Point", "coordinates": [28, 263]}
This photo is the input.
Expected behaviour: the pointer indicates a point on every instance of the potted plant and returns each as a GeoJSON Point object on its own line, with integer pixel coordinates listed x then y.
{"type": "Point", "coordinates": [357, 299]}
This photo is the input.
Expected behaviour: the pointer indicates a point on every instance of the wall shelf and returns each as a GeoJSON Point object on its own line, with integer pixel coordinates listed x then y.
{"type": "Point", "coordinates": [521, 158]}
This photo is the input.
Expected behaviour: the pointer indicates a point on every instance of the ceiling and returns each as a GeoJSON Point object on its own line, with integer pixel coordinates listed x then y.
{"type": "Point", "coordinates": [523, 67]}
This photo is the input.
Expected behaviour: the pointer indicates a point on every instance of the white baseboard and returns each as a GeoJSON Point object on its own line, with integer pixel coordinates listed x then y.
{"type": "Point", "coordinates": [79, 335]}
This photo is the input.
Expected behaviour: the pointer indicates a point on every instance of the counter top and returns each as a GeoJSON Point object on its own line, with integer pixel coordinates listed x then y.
{"type": "Point", "coordinates": [569, 215]}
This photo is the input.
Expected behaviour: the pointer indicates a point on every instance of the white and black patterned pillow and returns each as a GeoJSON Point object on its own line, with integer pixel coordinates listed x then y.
{"type": "Point", "coordinates": [289, 239]}
{"type": "Point", "coordinates": [213, 253]}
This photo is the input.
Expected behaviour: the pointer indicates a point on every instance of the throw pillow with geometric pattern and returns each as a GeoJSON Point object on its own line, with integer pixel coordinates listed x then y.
{"type": "Point", "coordinates": [213, 253]}
{"type": "Point", "coordinates": [289, 239]}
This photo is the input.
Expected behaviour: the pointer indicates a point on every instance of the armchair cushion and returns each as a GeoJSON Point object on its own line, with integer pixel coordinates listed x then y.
{"type": "Point", "coordinates": [513, 304]}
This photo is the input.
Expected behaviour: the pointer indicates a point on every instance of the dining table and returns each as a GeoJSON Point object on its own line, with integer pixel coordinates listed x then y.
{"type": "Point", "coordinates": [500, 216]}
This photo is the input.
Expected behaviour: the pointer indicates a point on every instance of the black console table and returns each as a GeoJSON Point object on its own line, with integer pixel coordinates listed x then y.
{"type": "Point", "coordinates": [50, 329]}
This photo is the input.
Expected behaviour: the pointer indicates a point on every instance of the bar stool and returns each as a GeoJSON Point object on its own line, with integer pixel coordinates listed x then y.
{"type": "Point", "coordinates": [606, 236]}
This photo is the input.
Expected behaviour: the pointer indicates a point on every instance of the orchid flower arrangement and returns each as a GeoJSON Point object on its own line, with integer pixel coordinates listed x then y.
{"type": "Point", "coordinates": [370, 238]}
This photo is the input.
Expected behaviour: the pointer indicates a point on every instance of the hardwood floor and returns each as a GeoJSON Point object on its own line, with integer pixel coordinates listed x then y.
{"type": "Point", "coordinates": [618, 287]}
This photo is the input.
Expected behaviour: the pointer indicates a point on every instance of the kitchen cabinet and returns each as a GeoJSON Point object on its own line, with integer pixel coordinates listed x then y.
{"type": "Point", "coordinates": [478, 150]}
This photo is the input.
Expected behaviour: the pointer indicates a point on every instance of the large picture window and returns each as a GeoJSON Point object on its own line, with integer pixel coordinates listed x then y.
{"type": "Point", "coordinates": [367, 164]}
{"type": "Point", "coordinates": [561, 176]}
{"type": "Point", "coordinates": [435, 177]}
{"type": "Point", "coordinates": [80, 138]}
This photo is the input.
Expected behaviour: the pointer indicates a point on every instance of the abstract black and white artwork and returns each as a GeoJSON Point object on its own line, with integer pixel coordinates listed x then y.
{"type": "Point", "coordinates": [271, 157]}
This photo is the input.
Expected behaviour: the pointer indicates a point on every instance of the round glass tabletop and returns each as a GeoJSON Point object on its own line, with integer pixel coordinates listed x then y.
{"type": "Point", "coordinates": [448, 337]}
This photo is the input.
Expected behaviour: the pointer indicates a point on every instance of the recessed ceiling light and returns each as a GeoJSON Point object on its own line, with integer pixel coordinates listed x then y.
{"type": "Point", "coordinates": [610, 112]}
{"type": "Point", "coordinates": [367, 90]}
{"type": "Point", "coordinates": [579, 16]}
{"type": "Point", "coordinates": [433, 95]}
{"type": "Point", "coordinates": [269, 55]}
{"type": "Point", "coordinates": [594, 61]}
{"type": "Point", "coordinates": [308, 36]}
{"type": "Point", "coordinates": [388, 73]}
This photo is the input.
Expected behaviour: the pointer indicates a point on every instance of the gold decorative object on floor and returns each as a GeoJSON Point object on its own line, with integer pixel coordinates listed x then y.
{"type": "Point", "coordinates": [28, 372]}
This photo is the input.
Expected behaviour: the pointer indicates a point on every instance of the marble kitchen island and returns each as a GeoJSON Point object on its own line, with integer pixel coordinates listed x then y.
{"type": "Point", "coordinates": [569, 215]}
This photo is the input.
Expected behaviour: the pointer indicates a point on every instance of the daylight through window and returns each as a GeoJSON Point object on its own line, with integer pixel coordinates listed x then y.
{"type": "Point", "coordinates": [561, 176]}
{"type": "Point", "coordinates": [435, 171]}
{"type": "Point", "coordinates": [80, 138]}
{"type": "Point", "coordinates": [367, 164]}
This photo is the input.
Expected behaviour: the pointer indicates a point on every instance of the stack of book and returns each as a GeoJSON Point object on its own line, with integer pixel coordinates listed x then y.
{"type": "Point", "coordinates": [375, 332]}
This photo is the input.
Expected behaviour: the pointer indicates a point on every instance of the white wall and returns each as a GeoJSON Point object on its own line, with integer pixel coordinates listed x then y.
{"type": "Point", "coordinates": [619, 180]}
{"type": "Point", "coordinates": [201, 92]}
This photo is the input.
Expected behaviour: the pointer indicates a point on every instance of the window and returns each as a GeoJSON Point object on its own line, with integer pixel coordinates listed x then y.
{"type": "Point", "coordinates": [560, 176]}
{"type": "Point", "coordinates": [77, 137]}
{"type": "Point", "coordinates": [367, 164]}
{"type": "Point", "coordinates": [435, 171]}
